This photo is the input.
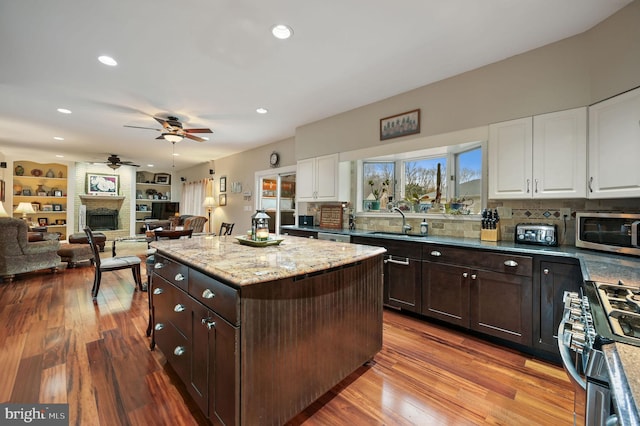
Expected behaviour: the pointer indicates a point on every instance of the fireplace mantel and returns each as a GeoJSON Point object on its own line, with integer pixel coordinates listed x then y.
{"type": "Point", "coordinates": [102, 197]}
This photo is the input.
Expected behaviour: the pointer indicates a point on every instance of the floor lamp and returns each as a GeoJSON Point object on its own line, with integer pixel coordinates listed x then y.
{"type": "Point", "coordinates": [209, 203]}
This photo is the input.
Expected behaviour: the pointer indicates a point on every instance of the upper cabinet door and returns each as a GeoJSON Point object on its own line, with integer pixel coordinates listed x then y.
{"type": "Point", "coordinates": [327, 179]}
{"type": "Point", "coordinates": [544, 156]}
{"type": "Point", "coordinates": [614, 147]}
{"type": "Point", "coordinates": [510, 165]}
{"type": "Point", "coordinates": [305, 180]}
{"type": "Point", "coordinates": [560, 154]}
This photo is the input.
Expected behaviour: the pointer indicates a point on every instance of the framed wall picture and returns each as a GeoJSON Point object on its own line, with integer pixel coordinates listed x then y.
{"type": "Point", "coordinates": [395, 126]}
{"type": "Point", "coordinates": [222, 200]}
{"type": "Point", "coordinates": [57, 207]}
{"type": "Point", "coordinates": [26, 192]}
{"type": "Point", "coordinates": [47, 207]}
{"type": "Point", "coordinates": [61, 222]}
{"type": "Point", "coordinates": [223, 184]}
{"type": "Point", "coordinates": [57, 193]}
{"type": "Point", "coordinates": [162, 178]}
{"type": "Point", "coordinates": [101, 184]}
{"type": "Point", "coordinates": [1, 191]}
{"type": "Point", "coordinates": [43, 221]}
{"type": "Point", "coordinates": [36, 206]}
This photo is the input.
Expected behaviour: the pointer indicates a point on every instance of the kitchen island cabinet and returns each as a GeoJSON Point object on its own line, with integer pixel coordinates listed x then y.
{"type": "Point", "coordinates": [237, 323]}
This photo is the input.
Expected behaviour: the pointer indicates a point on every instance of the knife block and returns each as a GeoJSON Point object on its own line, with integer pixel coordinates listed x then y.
{"type": "Point", "coordinates": [490, 234]}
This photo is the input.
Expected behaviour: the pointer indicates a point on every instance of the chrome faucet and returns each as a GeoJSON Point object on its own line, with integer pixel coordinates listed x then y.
{"type": "Point", "coordinates": [405, 228]}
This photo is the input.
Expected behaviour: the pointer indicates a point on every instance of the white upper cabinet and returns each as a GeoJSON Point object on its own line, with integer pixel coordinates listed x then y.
{"type": "Point", "coordinates": [539, 157]}
{"type": "Point", "coordinates": [322, 179]}
{"type": "Point", "coordinates": [614, 147]}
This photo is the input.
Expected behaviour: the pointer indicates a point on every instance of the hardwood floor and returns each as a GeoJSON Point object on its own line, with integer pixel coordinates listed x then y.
{"type": "Point", "coordinates": [59, 347]}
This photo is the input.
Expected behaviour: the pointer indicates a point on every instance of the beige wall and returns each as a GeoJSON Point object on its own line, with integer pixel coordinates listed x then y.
{"type": "Point", "coordinates": [241, 168]}
{"type": "Point", "coordinates": [573, 72]}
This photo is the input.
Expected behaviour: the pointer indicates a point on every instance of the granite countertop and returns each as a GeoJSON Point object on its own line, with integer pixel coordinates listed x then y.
{"type": "Point", "coordinates": [225, 258]}
{"type": "Point", "coordinates": [596, 266]}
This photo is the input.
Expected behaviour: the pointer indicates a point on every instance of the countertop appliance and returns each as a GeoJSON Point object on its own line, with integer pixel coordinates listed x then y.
{"type": "Point", "coordinates": [609, 231]}
{"type": "Point", "coordinates": [537, 233]}
{"type": "Point", "coordinates": [604, 313]}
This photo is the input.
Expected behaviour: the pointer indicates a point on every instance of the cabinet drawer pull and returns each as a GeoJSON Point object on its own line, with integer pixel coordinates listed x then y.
{"type": "Point", "coordinates": [208, 294]}
{"type": "Point", "coordinates": [465, 274]}
{"type": "Point", "coordinates": [435, 253]}
{"type": "Point", "coordinates": [158, 291]}
{"type": "Point", "coordinates": [158, 265]}
{"type": "Point", "coordinates": [404, 262]}
{"type": "Point", "coordinates": [179, 308]}
{"type": "Point", "coordinates": [179, 351]}
{"type": "Point", "coordinates": [159, 326]}
{"type": "Point", "coordinates": [545, 271]}
{"type": "Point", "coordinates": [528, 183]}
{"type": "Point", "coordinates": [510, 263]}
{"type": "Point", "coordinates": [179, 277]}
{"type": "Point", "coordinates": [209, 323]}
{"type": "Point", "coordinates": [474, 276]}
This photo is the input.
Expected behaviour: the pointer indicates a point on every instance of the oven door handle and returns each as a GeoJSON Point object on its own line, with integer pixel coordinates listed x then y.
{"type": "Point", "coordinates": [565, 354]}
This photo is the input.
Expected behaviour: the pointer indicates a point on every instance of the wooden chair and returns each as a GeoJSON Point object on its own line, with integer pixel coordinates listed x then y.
{"type": "Point", "coordinates": [226, 228]}
{"type": "Point", "coordinates": [112, 264]}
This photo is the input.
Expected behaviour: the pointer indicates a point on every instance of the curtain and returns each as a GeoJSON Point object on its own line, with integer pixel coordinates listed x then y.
{"type": "Point", "coordinates": [193, 195]}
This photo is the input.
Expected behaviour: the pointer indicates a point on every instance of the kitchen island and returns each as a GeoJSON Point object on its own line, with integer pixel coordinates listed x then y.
{"type": "Point", "coordinates": [256, 334]}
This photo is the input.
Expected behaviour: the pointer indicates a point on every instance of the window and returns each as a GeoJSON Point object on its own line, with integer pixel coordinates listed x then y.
{"type": "Point", "coordinates": [421, 179]}
{"type": "Point", "coordinates": [458, 183]}
{"type": "Point", "coordinates": [379, 181]}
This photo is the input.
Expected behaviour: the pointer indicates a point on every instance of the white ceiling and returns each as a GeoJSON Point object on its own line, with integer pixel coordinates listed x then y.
{"type": "Point", "coordinates": [213, 62]}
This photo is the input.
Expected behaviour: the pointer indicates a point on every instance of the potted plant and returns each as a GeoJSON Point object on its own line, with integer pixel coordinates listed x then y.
{"type": "Point", "coordinates": [377, 192]}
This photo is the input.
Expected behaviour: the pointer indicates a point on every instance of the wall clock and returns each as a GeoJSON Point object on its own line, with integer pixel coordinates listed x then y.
{"type": "Point", "coordinates": [274, 159]}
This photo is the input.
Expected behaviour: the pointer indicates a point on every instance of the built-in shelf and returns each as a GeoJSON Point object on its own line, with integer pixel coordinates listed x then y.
{"type": "Point", "coordinates": [101, 197]}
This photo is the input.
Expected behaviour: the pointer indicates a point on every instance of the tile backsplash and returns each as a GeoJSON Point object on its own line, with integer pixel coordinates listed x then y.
{"type": "Point", "coordinates": [522, 211]}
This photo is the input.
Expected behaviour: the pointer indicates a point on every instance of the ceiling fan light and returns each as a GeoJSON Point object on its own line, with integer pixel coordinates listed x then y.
{"type": "Point", "coordinates": [114, 166]}
{"type": "Point", "coordinates": [171, 137]}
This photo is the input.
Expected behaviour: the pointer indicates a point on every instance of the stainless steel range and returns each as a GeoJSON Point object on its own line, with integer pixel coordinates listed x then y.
{"type": "Point", "coordinates": [604, 313]}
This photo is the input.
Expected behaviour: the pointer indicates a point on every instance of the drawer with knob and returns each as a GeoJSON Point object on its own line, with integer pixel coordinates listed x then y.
{"type": "Point", "coordinates": [175, 347]}
{"type": "Point", "coordinates": [481, 259]}
{"type": "Point", "coordinates": [217, 296]}
{"type": "Point", "coordinates": [172, 271]}
{"type": "Point", "coordinates": [171, 306]}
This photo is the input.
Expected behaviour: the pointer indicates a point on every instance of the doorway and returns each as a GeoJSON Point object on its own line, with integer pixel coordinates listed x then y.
{"type": "Point", "coordinates": [276, 196]}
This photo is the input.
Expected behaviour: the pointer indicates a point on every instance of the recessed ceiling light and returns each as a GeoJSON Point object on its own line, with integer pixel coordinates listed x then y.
{"type": "Point", "coordinates": [262, 110]}
{"type": "Point", "coordinates": [281, 31]}
{"type": "Point", "coordinates": [59, 156]}
{"type": "Point", "coordinates": [64, 110]}
{"type": "Point", "coordinates": [149, 165]}
{"type": "Point", "coordinates": [58, 138]}
{"type": "Point", "coordinates": [175, 154]}
{"type": "Point", "coordinates": [107, 60]}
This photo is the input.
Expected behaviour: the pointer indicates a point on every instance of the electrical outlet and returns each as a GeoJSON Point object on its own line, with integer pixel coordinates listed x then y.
{"type": "Point", "coordinates": [565, 212]}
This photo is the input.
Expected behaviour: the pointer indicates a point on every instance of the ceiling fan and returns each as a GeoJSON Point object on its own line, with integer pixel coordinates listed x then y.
{"type": "Point", "coordinates": [173, 131]}
{"type": "Point", "coordinates": [114, 162]}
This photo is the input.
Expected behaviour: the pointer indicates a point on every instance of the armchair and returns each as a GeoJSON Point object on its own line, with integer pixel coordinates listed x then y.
{"type": "Point", "coordinates": [18, 255]}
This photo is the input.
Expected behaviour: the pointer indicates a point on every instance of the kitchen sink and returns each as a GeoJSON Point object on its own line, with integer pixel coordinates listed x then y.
{"type": "Point", "coordinates": [396, 234]}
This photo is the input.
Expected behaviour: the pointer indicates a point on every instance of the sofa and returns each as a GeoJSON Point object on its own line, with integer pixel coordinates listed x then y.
{"type": "Point", "coordinates": [196, 223]}
{"type": "Point", "coordinates": [18, 255]}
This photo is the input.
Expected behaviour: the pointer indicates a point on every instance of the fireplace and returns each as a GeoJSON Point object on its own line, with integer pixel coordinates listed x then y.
{"type": "Point", "coordinates": [102, 219]}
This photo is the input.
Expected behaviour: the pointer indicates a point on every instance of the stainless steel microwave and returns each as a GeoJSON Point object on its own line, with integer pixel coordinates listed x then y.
{"type": "Point", "coordinates": [614, 232]}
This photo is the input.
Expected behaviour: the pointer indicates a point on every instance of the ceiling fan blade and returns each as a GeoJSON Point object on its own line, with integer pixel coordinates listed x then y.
{"type": "Point", "coordinates": [198, 130]}
{"type": "Point", "coordinates": [138, 127]}
{"type": "Point", "coordinates": [195, 138]}
{"type": "Point", "coordinates": [163, 122]}
{"type": "Point", "coordinates": [160, 137]}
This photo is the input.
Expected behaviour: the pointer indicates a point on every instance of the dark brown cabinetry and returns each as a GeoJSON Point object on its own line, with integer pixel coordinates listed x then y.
{"type": "Point", "coordinates": [198, 342]}
{"type": "Point", "coordinates": [484, 291]}
{"type": "Point", "coordinates": [402, 272]}
{"type": "Point", "coordinates": [299, 233]}
{"type": "Point", "coordinates": [555, 276]}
